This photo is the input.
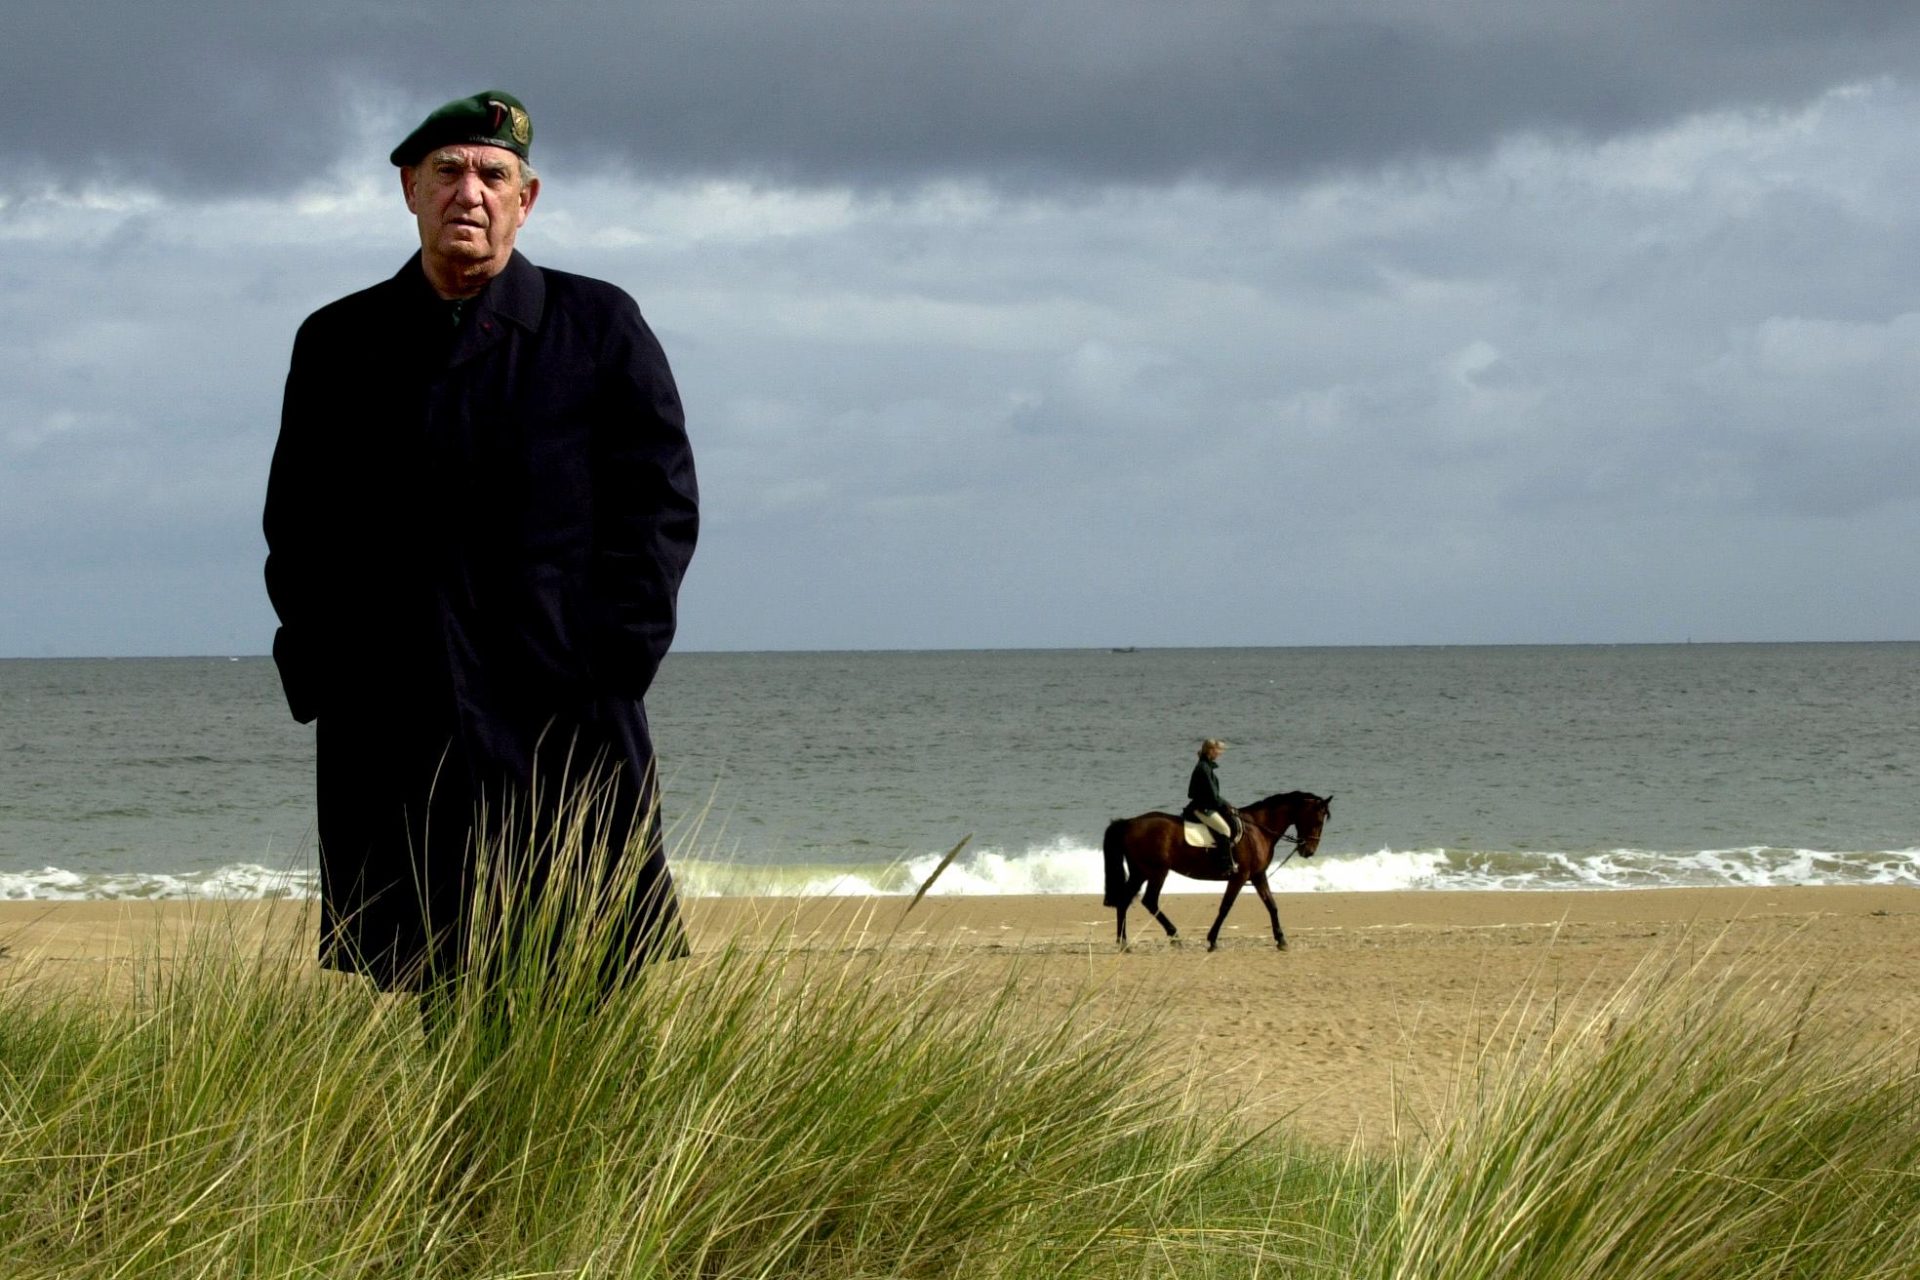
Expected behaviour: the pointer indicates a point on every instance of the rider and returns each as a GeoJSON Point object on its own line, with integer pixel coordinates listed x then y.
{"type": "Point", "coordinates": [1205, 804]}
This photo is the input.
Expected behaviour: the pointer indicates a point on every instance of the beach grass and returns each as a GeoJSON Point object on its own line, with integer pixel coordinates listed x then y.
{"type": "Point", "coordinates": [1698, 1125]}
{"type": "Point", "coordinates": [764, 1109]}
{"type": "Point", "coordinates": [733, 1115]}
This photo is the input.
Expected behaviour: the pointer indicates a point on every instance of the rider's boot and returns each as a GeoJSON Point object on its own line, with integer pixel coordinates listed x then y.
{"type": "Point", "coordinates": [1223, 847]}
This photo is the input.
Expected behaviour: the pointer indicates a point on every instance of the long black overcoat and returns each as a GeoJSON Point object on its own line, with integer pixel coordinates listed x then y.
{"type": "Point", "coordinates": [476, 533]}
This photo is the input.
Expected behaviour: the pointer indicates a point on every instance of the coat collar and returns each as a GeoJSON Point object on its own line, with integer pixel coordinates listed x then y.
{"type": "Point", "coordinates": [517, 297]}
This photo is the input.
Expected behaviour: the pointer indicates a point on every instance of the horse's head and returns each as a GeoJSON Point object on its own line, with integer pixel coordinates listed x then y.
{"type": "Point", "coordinates": [1308, 820]}
{"type": "Point", "coordinates": [1305, 812]}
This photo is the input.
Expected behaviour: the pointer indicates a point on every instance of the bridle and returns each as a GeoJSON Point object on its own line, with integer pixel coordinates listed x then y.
{"type": "Point", "coordinates": [1268, 832]}
{"type": "Point", "coordinates": [1277, 836]}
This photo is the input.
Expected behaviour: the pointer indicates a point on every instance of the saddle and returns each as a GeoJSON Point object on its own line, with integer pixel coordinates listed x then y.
{"type": "Point", "coordinates": [1201, 836]}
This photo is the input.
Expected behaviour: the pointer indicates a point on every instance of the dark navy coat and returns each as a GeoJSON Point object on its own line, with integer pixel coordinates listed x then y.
{"type": "Point", "coordinates": [476, 535]}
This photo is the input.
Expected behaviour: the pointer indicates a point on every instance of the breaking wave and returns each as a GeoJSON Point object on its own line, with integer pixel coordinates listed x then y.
{"type": "Point", "coordinates": [1068, 866]}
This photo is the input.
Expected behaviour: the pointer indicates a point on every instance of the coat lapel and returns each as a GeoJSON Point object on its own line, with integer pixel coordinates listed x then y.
{"type": "Point", "coordinates": [513, 299]}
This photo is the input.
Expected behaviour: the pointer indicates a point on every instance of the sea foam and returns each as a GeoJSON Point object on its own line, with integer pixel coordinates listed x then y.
{"type": "Point", "coordinates": [241, 880]}
{"type": "Point", "coordinates": [1069, 866]}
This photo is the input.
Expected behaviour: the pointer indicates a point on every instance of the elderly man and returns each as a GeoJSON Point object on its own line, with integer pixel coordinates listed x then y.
{"type": "Point", "coordinates": [481, 505]}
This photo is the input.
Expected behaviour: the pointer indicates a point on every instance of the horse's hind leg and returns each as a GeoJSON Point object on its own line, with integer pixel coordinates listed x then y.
{"type": "Point", "coordinates": [1226, 904]}
{"type": "Point", "coordinates": [1134, 882]}
{"type": "Point", "coordinates": [1273, 912]}
{"type": "Point", "coordinates": [1152, 903]}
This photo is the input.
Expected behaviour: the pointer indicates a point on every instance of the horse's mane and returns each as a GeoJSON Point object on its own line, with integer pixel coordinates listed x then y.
{"type": "Point", "coordinates": [1295, 797]}
{"type": "Point", "coordinates": [1283, 797]}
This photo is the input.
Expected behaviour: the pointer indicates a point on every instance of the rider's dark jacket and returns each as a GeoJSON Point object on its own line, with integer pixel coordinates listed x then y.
{"type": "Point", "coordinates": [1203, 789]}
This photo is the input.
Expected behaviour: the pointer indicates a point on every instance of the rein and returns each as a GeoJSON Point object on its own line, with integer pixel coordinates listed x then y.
{"type": "Point", "coordinates": [1269, 833]}
{"type": "Point", "coordinates": [1275, 836]}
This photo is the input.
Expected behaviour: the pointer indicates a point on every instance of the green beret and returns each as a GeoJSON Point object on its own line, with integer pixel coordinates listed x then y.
{"type": "Point", "coordinates": [494, 119]}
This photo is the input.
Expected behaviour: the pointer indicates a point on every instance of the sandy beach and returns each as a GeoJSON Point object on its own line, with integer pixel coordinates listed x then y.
{"type": "Point", "coordinates": [1361, 1025]}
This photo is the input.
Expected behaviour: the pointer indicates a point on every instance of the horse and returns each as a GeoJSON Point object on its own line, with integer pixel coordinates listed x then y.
{"type": "Point", "coordinates": [1141, 851]}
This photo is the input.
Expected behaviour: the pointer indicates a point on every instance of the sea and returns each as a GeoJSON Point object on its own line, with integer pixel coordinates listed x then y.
{"type": "Point", "coordinates": [1506, 768]}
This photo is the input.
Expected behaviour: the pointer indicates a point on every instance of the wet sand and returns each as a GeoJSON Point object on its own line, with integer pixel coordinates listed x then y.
{"type": "Point", "coordinates": [1360, 1025]}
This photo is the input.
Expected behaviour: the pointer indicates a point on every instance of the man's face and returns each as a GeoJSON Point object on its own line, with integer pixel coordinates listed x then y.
{"type": "Point", "coordinates": [470, 202]}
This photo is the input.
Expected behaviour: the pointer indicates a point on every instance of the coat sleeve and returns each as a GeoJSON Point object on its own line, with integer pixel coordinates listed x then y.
{"type": "Point", "coordinates": [292, 526]}
{"type": "Point", "coordinates": [646, 509]}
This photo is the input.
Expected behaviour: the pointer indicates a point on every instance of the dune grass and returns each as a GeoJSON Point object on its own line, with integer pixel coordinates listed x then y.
{"type": "Point", "coordinates": [1699, 1125]}
{"type": "Point", "coordinates": [743, 1114]}
{"type": "Point", "coordinates": [757, 1111]}
{"type": "Point", "coordinates": [768, 1110]}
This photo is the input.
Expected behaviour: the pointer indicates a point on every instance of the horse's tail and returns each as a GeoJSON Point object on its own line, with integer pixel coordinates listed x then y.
{"type": "Point", "coordinates": [1114, 845]}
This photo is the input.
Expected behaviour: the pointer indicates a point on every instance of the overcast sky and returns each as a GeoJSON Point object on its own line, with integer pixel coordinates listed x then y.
{"type": "Point", "coordinates": [1014, 323]}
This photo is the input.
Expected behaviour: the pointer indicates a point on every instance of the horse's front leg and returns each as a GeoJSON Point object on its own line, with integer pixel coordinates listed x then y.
{"type": "Point", "coordinates": [1273, 912]}
{"type": "Point", "coordinates": [1226, 904]}
{"type": "Point", "coordinates": [1152, 903]}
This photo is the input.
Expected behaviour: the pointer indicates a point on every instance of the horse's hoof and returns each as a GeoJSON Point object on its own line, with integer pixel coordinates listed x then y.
{"type": "Point", "coordinates": [1173, 942]}
{"type": "Point", "coordinates": [1213, 946]}
{"type": "Point", "coordinates": [1281, 945]}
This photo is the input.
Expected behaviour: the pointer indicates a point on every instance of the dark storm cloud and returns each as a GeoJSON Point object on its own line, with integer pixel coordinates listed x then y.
{"type": "Point", "coordinates": [248, 95]}
{"type": "Point", "coordinates": [1497, 322]}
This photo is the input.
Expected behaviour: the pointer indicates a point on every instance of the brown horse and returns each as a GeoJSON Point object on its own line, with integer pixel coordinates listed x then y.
{"type": "Point", "coordinates": [1142, 850]}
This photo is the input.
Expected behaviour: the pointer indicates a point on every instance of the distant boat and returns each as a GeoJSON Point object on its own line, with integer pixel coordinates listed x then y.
{"type": "Point", "coordinates": [1127, 649]}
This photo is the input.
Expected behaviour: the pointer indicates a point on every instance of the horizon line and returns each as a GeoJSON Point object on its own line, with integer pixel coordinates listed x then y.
{"type": "Point", "coordinates": [1118, 649]}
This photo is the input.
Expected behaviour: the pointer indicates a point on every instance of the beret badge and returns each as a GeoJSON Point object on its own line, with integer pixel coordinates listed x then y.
{"type": "Point", "coordinates": [504, 112]}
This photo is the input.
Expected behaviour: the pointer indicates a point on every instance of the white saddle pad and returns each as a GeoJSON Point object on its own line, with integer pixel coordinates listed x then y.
{"type": "Point", "coordinates": [1199, 835]}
